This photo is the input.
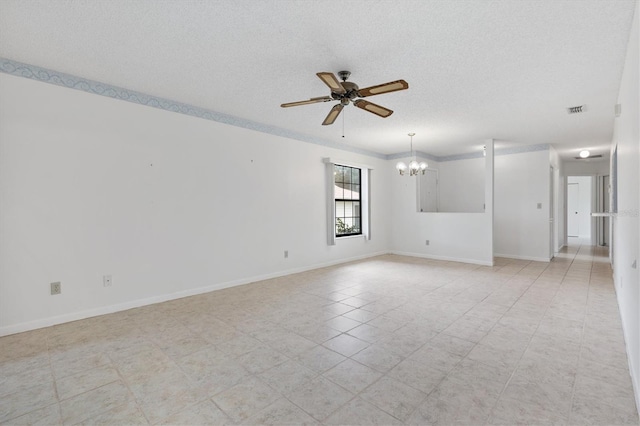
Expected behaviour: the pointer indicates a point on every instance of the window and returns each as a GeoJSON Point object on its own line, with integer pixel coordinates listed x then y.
{"type": "Point", "coordinates": [347, 191]}
{"type": "Point", "coordinates": [348, 195]}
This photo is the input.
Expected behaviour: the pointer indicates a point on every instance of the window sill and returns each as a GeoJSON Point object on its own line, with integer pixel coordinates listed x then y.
{"type": "Point", "coordinates": [346, 237]}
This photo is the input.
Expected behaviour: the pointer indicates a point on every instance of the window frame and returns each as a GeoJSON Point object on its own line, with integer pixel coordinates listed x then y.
{"type": "Point", "coordinates": [359, 201]}
{"type": "Point", "coordinates": [365, 199]}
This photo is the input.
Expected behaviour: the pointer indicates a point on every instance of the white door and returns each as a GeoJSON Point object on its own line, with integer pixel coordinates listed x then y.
{"type": "Point", "coordinates": [573, 203]}
{"type": "Point", "coordinates": [429, 191]}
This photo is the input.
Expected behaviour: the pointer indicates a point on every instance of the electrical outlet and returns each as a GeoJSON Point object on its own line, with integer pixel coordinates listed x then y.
{"type": "Point", "coordinates": [56, 288]}
{"type": "Point", "coordinates": [539, 206]}
{"type": "Point", "coordinates": [106, 281]}
{"type": "Point", "coordinates": [426, 242]}
{"type": "Point", "coordinates": [286, 254]}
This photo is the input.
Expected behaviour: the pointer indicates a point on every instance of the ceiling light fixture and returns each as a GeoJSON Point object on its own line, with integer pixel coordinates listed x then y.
{"type": "Point", "coordinates": [414, 166]}
{"type": "Point", "coordinates": [584, 153]}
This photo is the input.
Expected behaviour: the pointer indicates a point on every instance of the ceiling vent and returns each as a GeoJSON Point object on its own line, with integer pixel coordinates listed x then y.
{"type": "Point", "coordinates": [589, 157]}
{"type": "Point", "coordinates": [576, 109]}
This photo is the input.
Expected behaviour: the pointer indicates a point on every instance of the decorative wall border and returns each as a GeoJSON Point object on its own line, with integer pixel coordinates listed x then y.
{"type": "Point", "coordinates": [420, 154]}
{"type": "Point", "coordinates": [69, 81]}
{"type": "Point", "coordinates": [465, 156]}
{"type": "Point", "coordinates": [522, 149]}
{"type": "Point", "coordinates": [471, 155]}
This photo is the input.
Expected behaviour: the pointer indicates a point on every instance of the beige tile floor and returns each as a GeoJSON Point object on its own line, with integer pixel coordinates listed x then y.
{"type": "Point", "coordinates": [388, 340]}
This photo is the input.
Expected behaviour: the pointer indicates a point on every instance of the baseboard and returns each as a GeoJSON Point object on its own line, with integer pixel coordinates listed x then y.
{"type": "Point", "coordinates": [88, 313]}
{"type": "Point", "coordinates": [532, 258]}
{"type": "Point", "coordinates": [450, 259]}
{"type": "Point", "coordinates": [633, 371]}
{"type": "Point", "coordinates": [634, 383]}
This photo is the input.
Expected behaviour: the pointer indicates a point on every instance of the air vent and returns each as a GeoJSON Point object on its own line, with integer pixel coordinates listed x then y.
{"type": "Point", "coordinates": [588, 158]}
{"type": "Point", "coordinates": [576, 109]}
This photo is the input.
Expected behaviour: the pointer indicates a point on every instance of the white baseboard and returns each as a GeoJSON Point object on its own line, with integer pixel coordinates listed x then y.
{"type": "Point", "coordinates": [633, 368]}
{"type": "Point", "coordinates": [635, 383]}
{"type": "Point", "coordinates": [533, 258]}
{"type": "Point", "coordinates": [103, 310]}
{"type": "Point", "coordinates": [450, 259]}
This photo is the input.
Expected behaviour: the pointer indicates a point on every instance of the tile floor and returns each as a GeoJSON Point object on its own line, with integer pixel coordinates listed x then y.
{"type": "Point", "coordinates": [388, 340]}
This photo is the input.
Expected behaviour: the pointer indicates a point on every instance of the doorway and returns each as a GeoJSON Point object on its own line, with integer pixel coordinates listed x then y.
{"type": "Point", "coordinates": [579, 208]}
{"type": "Point", "coordinates": [602, 205]}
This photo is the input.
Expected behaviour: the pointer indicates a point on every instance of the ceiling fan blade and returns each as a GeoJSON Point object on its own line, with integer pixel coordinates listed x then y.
{"type": "Point", "coordinates": [373, 108]}
{"type": "Point", "coordinates": [310, 101]}
{"type": "Point", "coordinates": [392, 86]}
{"type": "Point", "coordinates": [333, 114]}
{"type": "Point", "coordinates": [332, 81]}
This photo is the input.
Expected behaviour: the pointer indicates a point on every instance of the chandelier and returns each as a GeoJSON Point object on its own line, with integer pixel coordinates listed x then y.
{"type": "Point", "coordinates": [414, 167]}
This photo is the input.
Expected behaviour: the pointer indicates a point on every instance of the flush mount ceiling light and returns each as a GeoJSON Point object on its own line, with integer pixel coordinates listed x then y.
{"type": "Point", "coordinates": [414, 166]}
{"type": "Point", "coordinates": [585, 154]}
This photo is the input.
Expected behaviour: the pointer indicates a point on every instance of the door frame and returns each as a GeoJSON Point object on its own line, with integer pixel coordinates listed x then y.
{"type": "Point", "coordinates": [552, 213]}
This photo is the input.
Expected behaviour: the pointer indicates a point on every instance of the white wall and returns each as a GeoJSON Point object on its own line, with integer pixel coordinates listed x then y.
{"type": "Point", "coordinates": [167, 204]}
{"type": "Point", "coordinates": [521, 228]}
{"type": "Point", "coordinates": [585, 201]}
{"type": "Point", "coordinates": [464, 237]}
{"type": "Point", "coordinates": [461, 185]}
{"type": "Point", "coordinates": [625, 225]}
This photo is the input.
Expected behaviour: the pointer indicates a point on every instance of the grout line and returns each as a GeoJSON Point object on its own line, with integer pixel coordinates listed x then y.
{"type": "Point", "coordinates": [515, 273]}
{"type": "Point", "coordinates": [584, 323]}
{"type": "Point", "coordinates": [126, 384]}
{"type": "Point", "coordinates": [532, 335]}
{"type": "Point", "coordinates": [53, 376]}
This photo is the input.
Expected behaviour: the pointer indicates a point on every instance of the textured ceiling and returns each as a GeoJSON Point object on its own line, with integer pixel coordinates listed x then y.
{"type": "Point", "coordinates": [476, 69]}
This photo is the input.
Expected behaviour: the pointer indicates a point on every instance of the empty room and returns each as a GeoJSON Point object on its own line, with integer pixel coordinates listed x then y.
{"type": "Point", "coordinates": [319, 212]}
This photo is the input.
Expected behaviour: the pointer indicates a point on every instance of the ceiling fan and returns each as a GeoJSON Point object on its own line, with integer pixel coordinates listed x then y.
{"type": "Point", "coordinates": [347, 91]}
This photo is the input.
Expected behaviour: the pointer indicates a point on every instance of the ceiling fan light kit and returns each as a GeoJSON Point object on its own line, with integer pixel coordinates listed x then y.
{"type": "Point", "coordinates": [347, 91]}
